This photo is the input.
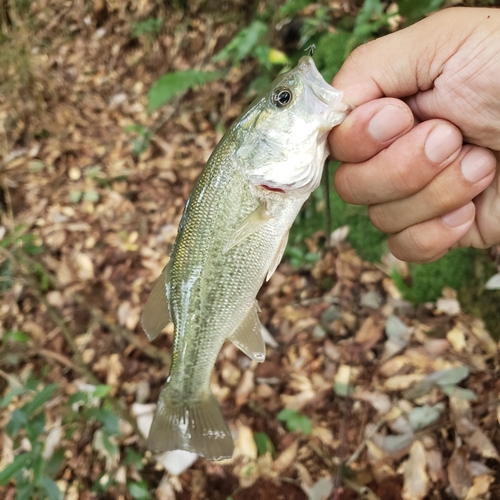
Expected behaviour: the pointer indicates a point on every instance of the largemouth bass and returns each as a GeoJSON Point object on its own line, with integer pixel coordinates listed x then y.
{"type": "Point", "coordinates": [231, 237]}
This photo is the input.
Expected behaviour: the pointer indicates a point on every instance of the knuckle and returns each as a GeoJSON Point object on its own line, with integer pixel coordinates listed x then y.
{"type": "Point", "coordinates": [419, 245]}
{"type": "Point", "coordinates": [445, 200]}
{"type": "Point", "coordinates": [380, 219]}
{"type": "Point", "coordinates": [345, 185]}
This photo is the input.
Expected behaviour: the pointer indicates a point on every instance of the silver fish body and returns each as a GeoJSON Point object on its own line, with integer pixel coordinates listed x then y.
{"type": "Point", "coordinates": [231, 237]}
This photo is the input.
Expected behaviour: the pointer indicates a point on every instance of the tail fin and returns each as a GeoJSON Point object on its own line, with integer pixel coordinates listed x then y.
{"type": "Point", "coordinates": [198, 427]}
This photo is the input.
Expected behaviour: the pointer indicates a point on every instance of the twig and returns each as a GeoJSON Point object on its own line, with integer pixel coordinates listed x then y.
{"type": "Point", "coordinates": [10, 379]}
{"type": "Point", "coordinates": [360, 448]}
{"type": "Point", "coordinates": [328, 208]}
{"type": "Point", "coordinates": [361, 490]}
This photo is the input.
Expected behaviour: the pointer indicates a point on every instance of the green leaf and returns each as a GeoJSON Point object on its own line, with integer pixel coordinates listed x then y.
{"type": "Point", "coordinates": [24, 490]}
{"type": "Point", "coordinates": [178, 82]}
{"type": "Point", "coordinates": [53, 464]}
{"type": "Point", "coordinates": [101, 391]}
{"type": "Point", "coordinates": [133, 458]}
{"type": "Point", "coordinates": [39, 400]}
{"type": "Point", "coordinates": [295, 421]}
{"type": "Point", "coordinates": [243, 43]}
{"type": "Point", "coordinates": [293, 7]}
{"type": "Point", "coordinates": [264, 443]}
{"type": "Point", "coordinates": [139, 490]}
{"type": "Point", "coordinates": [459, 392]}
{"type": "Point", "coordinates": [79, 397]}
{"type": "Point", "coordinates": [75, 196]}
{"type": "Point", "coordinates": [17, 420]}
{"type": "Point", "coordinates": [16, 337]}
{"type": "Point", "coordinates": [36, 466]}
{"type": "Point", "coordinates": [449, 376]}
{"type": "Point", "coordinates": [51, 489]}
{"type": "Point", "coordinates": [414, 10]}
{"type": "Point", "coordinates": [150, 26]}
{"type": "Point", "coordinates": [34, 427]}
{"type": "Point", "coordinates": [286, 414]}
{"type": "Point", "coordinates": [13, 468]}
{"type": "Point", "coordinates": [107, 418]}
{"type": "Point", "coordinates": [103, 443]}
{"type": "Point", "coordinates": [103, 483]}
{"type": "Point", "coordinates": [12, 393]}
{"type": "Point", "coordinates": [91, 195]}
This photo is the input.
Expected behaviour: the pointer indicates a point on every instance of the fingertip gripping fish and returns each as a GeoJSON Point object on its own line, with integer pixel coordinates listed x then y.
{"type": "Point", "coordinates": [232, 236]}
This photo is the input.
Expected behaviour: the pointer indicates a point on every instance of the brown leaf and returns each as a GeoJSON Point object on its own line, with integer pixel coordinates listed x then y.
{"type": "Point", "coordinates": [476, 439]}
{"type": "Point", "coordinates": [286, 458]}
{"type": "Point", "coordinates": [370, 333]}
{"type": "Point", "coordinates": [416, 481]}
{"type": "Point", "coordinates": [458, 473]}
{"type": "Point", "coordinates": [245, 388]}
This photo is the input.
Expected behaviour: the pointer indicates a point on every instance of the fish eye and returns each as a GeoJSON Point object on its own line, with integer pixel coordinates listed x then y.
{"type": "Point", "coordinates": [281, 97]}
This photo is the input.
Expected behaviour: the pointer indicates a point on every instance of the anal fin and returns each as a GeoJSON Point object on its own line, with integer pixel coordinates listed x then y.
{"type": "Point", "coordinates": [156, 315]}
{"type": "Point", "coordinates": [195, 426]}
{"type": "Point", "coordinates": [278, 256]}
{"type": "Point", "coordinates": [248, 226]}
{"type": "Point", "coordinates": [248, 336]}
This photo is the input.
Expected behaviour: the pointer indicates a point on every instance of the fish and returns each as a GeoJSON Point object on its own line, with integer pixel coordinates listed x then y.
{"type": "Point", "coordinates": [231, 238]}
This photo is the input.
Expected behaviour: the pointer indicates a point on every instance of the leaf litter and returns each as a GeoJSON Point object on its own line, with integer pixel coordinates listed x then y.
{"type": "Point", "coordinates": [361, 394]}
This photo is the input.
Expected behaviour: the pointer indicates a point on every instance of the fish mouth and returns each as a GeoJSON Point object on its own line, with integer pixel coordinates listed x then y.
{"type": "Point", "coordinates": [330, 105]}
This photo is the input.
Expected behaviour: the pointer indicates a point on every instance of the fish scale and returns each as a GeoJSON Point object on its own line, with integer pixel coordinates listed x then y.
{"type": "Point", "coordinates": [231, 236]}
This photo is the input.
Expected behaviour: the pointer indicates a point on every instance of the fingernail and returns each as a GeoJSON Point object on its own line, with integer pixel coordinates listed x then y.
{"type": "Point", "coordinates": [442, 142]}
{"type": "Point", "coordinates": [459, 216]}
{"type": "Point", "coordinates": [389, 122]}
{"type": "Point", "coordinates": [476, 164]}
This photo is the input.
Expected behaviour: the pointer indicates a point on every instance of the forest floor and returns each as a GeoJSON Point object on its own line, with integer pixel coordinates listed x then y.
{"type": "Point", "coordinates": [386, 400]}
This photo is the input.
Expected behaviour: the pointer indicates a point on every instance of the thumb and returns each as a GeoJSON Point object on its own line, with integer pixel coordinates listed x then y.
{"type": "Point", "coordinates": [405, 62]}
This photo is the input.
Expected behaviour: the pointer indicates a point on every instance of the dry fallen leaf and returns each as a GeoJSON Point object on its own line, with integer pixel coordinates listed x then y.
{"type": "Point", "coordinates": [476, 439]}
{"type": "Point", "coordinates": [286, 458]}
{"type": "Point", "coordinates": [416, 481]}
{"type": "Point", "coordinates": [481, 486]}
{"type": "Point", "coordinates": [369, 333]}
{"type": "Point", "coordinates": [458, 473]}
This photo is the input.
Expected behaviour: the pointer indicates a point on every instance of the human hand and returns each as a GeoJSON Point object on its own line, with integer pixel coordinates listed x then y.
{"type": "Point", "coordinates": [421, 146]}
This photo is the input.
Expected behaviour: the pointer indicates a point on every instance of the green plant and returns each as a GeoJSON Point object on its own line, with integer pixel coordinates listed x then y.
{"type": "Point", "coordinates": [13, 247]}
{"type": "Point", "coordinates": [142, 138]}
{"type": "Point", "coordinates": [263, 443]}
{"type": "Point", "coordinates": [150, 27]}
{"type": "Point", "coordinates": [34, 468]}
{"type": "Point", "coordinates": [32, 471]}
{"type": "Point", "coordinates": [295, 421]}
{"type": "Point", "coordinates": [172, 84]}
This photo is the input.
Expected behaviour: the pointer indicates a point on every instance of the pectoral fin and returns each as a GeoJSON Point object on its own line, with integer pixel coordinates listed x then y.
{"type": "Point", "coordinates": [278, 256]}
{"type": "Point", "coordinates": [248, 226]}
{"type": "Point", "coordinates": [156, 314]}
{"type": "Point", "coordinates": [248, 337]}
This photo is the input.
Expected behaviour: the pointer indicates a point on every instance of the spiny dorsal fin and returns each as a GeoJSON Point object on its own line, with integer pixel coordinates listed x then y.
{"type": "Point", "coordinates": [156, 313]}
{"type": "Point", "coordinates": [248, 337]}
{"type": "Point", "coordinates": [278, 256]}
{"type": "Point", "coordinates": [248, 226]}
